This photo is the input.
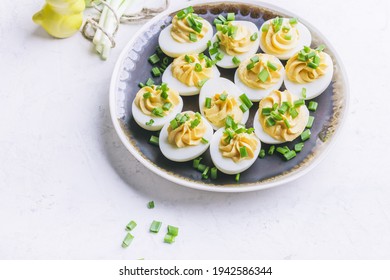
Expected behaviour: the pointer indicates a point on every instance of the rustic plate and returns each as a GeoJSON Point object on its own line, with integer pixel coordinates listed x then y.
{"type": "Point", "coordinates": [132, 67]}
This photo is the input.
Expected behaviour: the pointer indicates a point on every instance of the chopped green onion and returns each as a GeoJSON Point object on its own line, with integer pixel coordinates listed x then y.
{"type": "Point", "coordinates": [213, 51]}
{"type": "Point", "coordinates": [316, 60]}
{"type": "Point", "coordinates": [235, 60]}
{"type": "Point", "coordinates": [209, 63]}
{"type": "Point", "coordinates": [270, 122]}
{"type": "Point", "coordinates": [150, 122]}
{"type": "Point", "coordinates": [159, 50]}
{"type": "Point", "coordinates": [205, 173]}
{"type": "Point", "coordinates": [151, 204]}
{"type": "Point", "coordinates": [237, 178]}
{"type": "Point", "coordinates": [164, 95]}
{"type": "Point", "coordinates": [276, 116]}
{"type": "Point", "coordinates": [272, 66]}
{"type": "Point", "coordinates": [198, 67]}
{"type": "Point", "coordinates": [290, 154]}
{"type": "Point", "coordinates": [286, 123]}
{"type": "Point", "coordinates": [312, 65]}
{"type": "Point", "coordinates": [229, 122]}
{"type": "Point", "coordinates": [254, 36]}
{"type": "Point", "coordinates": [223, 96]}
{"type": "Point", "coordinates": [202, 82]}
{"type": "Point", "coordinates": [141, 85]}
{"type": "Point", "coordinates": [312, 106]}
{"type": "Point", "coordinates": [128, 239]}
{"type": "Point", "coordinates": [293, 112]}
{"type": "Point", "coordinates": [208, 43]}
{"type": "Point", "coordinates": [153, 140]}
{"type": "Point", "coordinates": [174, 231]}
{"type": "Point", "coordinates": [286, 28]}
{"type": "Point", "coordinates": [219, 26]}
{"type": "Point", "coordinates": [158, 112]}
{"type": "Point", "coordinates": [305, 135]}
{"type": "Point", "coordinates": [320, 48]}
{"type": "Point", "coordinates": [240, 130]}
{"type": "Point", "coordinates": [194, 123]}
{"type": "Point", "coordinates": [188, 59]}
{"type": "Point", "coordinates": [255, 59]}
{"type": "Point", "coordinates": [283, 109]}
{"type": "Point", "coordinates": [219, 56]}
{"type": "Point", "coordinates": [243, 108]}
{"type": "Point", "coordinates": [230, 16]}
{"type": "Point", "coordinates": [311, 55]}
{"type": "Point", "coordinates": [131, 225]}
{"type": "Point", "coordinates": [271, 150]}
{"type": "Point", "coordinates": [302, 57]}
{"type": "Point", "coordinates": [165, 61]}
{"type": "Point", "coordinates": [156, 72]}
{"type": "Point", "coordinates": [303, 92]}
{"type": "Point", "coordinates": [222, 18]}
{"type": "Point", "coordinates": [243, 152]}
{"type": "Point", "coordinates": [214, 173]}
{"type": "Point", "coordinates": [155, 226]}
{"type": "Point", "coordinates": [265, 27]}
{"type": "Point", "coordinates": [310, 122]}
{"type": "Point", "coordinates": [287, 37]}
{"type": "Point", "coordinates": [154, 58]}
{"type": "Point", "coordinates": [201, 167]}
{"type": "Point", "coordinates": [208, 102]}
{"type": "Point", "coordinates": [275, 106]}
{"type": "Point", "coordinates": [167, 106]}
{"type": "Point", "coordinates": [263, 75]}
{"type": "Point", "coordinates": [149, 82]}
{"type": "Point", "coordinates": [250, 130]}
{"type": "Point", "coordinates": [299, 102]}
{"type": "Point", "coordinates": [217, 21]}
{"type": "Point", "coordinates": [282, 150]}
{"type": "Point", "coordinates": [250, 66]}
{"type": "Point", "coordinates": [293, 21]}
{"type": "Point", "coordinates": [232, 30]}
{"type": "Point", "coordinates": [196, 162]}
{"type": "Point", "coordinates": [147, 95]}
{"type": "Point", "coordinates": [266, 111]}
{"type": "Point", "coordinates": [298, 147]}
{"type": "Point", "coordinates": [169, 238]}
{"type": "Point", "coordinates": [262, 153]}
{"type": "Point", "coordinates": [193, 37]}
{"type": "Point", "coordinates": [244, 98]}
{"type": "Point", "coordinates": [174, 124]}
{"type": "Point", "coordinates": [204, 141]}
{"type": "Point", "coordinates": [306, 49]}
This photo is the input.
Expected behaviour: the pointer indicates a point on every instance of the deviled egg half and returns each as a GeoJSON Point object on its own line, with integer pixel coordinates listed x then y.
{"type": "Point", "coordinates": [185, 137]}
{"type": "Point", "coordinates": [234, 148]}
{"type": "Point", "coordinates": [154, 106]}
{"type": "Point", "coordinates": [259, 75]}
{"type": "Point", "coordinates": [234, 42]}
{"type": "Point", "coordinates": [281, 117]}
{"type": "Point", "coordinates": [188, 73]}
{"type": "Point", "coordinates": [309, 72]}
{"type": "Point", "coordinates": [188, 33]}
{"type": "Point", "coordinates": [283, 37]}
{"type": "Point", "coordinates": [220, 98]}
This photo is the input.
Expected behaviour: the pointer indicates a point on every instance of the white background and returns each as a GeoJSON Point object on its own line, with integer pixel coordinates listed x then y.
{"type": "Point", "coordinates": [68, 186]}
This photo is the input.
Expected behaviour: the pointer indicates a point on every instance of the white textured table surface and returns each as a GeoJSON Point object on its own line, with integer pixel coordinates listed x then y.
{"type": "Point", "coordinates": [68, 186]}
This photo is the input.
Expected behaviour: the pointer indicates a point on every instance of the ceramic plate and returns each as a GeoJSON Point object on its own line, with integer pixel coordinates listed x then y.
{"type": "Point", "coordinates": [132, 68]}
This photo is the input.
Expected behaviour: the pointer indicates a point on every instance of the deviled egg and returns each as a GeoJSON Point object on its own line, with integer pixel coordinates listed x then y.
{"type": "Point", "coordinates": [188, 73]}
{"type": "Point", "coordinates": [185, 137]}
{"type": "Point", "coordinates": [259, 75]}
{"type": "Point", "coordinates": [281, 117]}
{"type": "Point", "coordinates": [220, 98]}
{"type": "Point", "coordinates": [234, 42]}
{"type": "Point", "coordinates": [309, 71]}
{"type": "Point", "coordinates": [234, 148]}
{"type": "Point", "coordinates": [283, 37]}
{"type": "Point", "coordinates": [188, 33]}
{"type": "Point", "coordinates": [154, 106]}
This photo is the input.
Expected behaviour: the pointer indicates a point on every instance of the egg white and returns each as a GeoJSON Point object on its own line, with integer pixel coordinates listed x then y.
{"type": "Point", "coordinates": [219, 85]}
{"type": "Point", "coordinates": [227, 60]}
{"type": "Point", "coordinates": [227, 165]}
{"type": "Point", "coordinates": [187, 153]}
{"type": "Point", "coordinates": [304, 40]}
{"type": "Point", "coordinates": [258, 94]}
{"type": "Point", "coordinates": [173, 48]}
{"type": "Point", "coordinates": [182, 88]}
{"type": "Point", "coordinates": [314, 88]}
{"type": "Point", "coordinates": [141, 119]}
